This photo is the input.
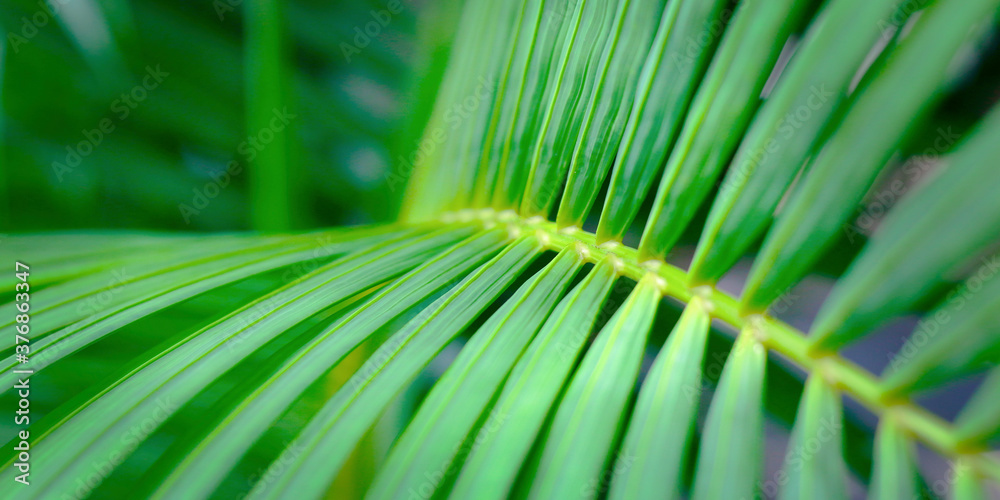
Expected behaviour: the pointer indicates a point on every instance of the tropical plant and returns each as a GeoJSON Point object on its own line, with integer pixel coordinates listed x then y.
{"type": "Point", "coordinates": [306, 361]}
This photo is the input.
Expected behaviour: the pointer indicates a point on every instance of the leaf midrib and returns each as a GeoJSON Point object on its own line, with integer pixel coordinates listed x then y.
{"type": "Point", "coordinates": [776, 336]}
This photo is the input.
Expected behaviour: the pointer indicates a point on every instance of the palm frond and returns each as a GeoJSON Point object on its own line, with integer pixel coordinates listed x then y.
{"type": "Point", "coordinates": [766, 120]}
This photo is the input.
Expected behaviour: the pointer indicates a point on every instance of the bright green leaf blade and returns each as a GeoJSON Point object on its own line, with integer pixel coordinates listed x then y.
{"type": "Point", "coordinates": [468, 112]}
{"type": "Point", "coordinates": [51, 267]}
{"type": "Point", "coordinates": [663, 420]}
{"type": "Point", "coordinates": [895, 474]}
{"type": "Point", "coordinates": [542, 25]}
{"type": "Point", "coordinates": [328, 439]}
{"type": "Point", "coordinates": [505, 61]}
{"type": "Point", "coordinates": [98, 428]}
{"type": "Point", "coordinates": [967, 485]}
{"type": "Point", "coordinates": [814, 462]}
{"type": "Point", "coordinates": [782, 134]}
{"type": "Point", "coordinates": [152, 287]}
{"type": "Point", "coordinates": [931, 232]}
{"type": "Point", "coordinates": [726, 99]}
{"type": "Point", "coordinates": [121, 280]}
{"type": "Point", "coordinates": [515, 41]}
{"type": "Point", "coordinates": [540, 85]}
{"type": "Point", "coordinates": [669, 77]}
{"type": "Point", "coordinates": [572, 78]}
{"type": "Point", "coordinates": [608, 108]}
{"type": "Point", "coordinates": [46, 248]}
{"type": "Point", "coordinates": [848, 163]}
{"type": "Point", "coordinates": [532, 388]}
{"type": "Point", "coordinates": [204, 467]}
{"type": "Point", "coordinates": [435, 435]}
{"type": "Point", "coordinates": [980, 419]}
{"type": "Point", "coordinates": [73, 338]}
{"type": "Point", "coordinates": [267, 109]}
{"type": "Point", "coordinates": [589, 416]}
{"type": "Point", "coordinates": [732, 442]}
{"type": "Point", "coordinates": [957, 338]}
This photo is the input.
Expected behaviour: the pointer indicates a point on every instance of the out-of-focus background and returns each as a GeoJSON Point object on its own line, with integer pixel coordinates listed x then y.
{"type": "Point", "coordinates": [128, 114]}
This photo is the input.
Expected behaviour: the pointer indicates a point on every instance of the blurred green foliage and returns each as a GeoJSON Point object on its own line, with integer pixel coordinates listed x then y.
{"type": "Point", "coordinates": [91, 141]}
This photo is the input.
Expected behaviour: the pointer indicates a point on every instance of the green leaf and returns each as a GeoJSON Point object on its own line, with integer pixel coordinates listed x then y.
{"type": "Point", "coordinates": [162, 292]}
{"type": "Point", "coordinates": [85, 257]}
{"type": "Point", "coordinates": [587, 422]}
{"type": "Point", "coordinates": [573, 75]}
{"type": "Point", "coordinates": [122, 279]}
{"type": "Point", "coordinates": [726, 99]}
{"type": "Point", "coordinates": [515, 41]}
{"type": "Point", "coordinates": [464, 114]}
{"type": "Point", "coordinates": [814, 463]}
{"type": "Point", "coordinates": [895, 475]}
{"type": "Point", "coordinates": [544, 24]}
{"type": "Point", "coordinates": [842, 172]}
{"type": "Point", "coordinates": [532, 388]}
{"type": "Point", "coordinates": [202, 470]}
{"type": "Point", "coordinates": [147, 285]}
{"type": "Point", "coordinates": [732, 441]}
{"type": "Point", "coordinates": [608, 107]}
{"type": "Point", "coordinates": [980, 419]}
{"type": "Point", "coordinates": [102, 428]}
{"type": "Point", "coordinates": [272, 171]}
{"type": "Point", "coordinates": [967, 485]}
{"type": "Point", "coordinates": [957, 338]}
{"type": "Point", "coordinates": [661, 424]}
{"type": "Point", "coordinates": [781, 136]}
{"type": "Point", "coordinates": [327, 440]}
{"type": "Point", "coordinates": [668, 79]}
{"type": "Point", "coordinates": [422, 457]}
{"type": "Point", "coordinates": [953, 216]}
